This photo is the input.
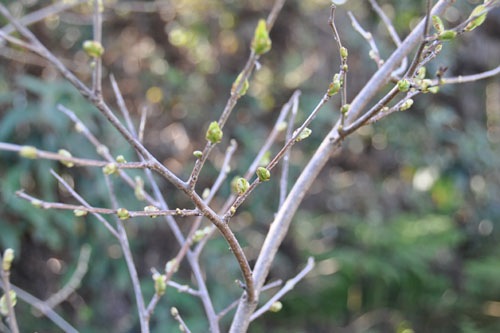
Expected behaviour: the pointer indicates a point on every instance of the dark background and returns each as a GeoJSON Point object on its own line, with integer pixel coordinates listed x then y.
{"type": "Point", "coordinates": [403, 223]}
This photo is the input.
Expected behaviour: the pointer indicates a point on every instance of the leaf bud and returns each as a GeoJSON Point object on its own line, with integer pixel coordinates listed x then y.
{"type": "Point", "coordinates": [80, 212]}
{"type": "Point", "coordinates": [8, 257]}
{"type": "Point", "coordinates": [437, 23]}
{"type": "Point", "coordinates": [244, 86]}
{"type": "Point", "coordinates": [198, 154]}
{"type": "Point", "coordinates": [65, 153]}
{"type": "Point", "coordinates": [121, 159]}
{"type": "Point", "coordinates": [306, 132]}
{"type": "Point", "coordinates": [93, 48]}
{"type": "Point", "coordinates": [36, 203]}
{"type": "Point", "coordinates": [28, 152]}
{"type": "Point", "coordinates": [343, 52]}
{"type": "Point", "coordinates": [4, 309]}
{"type": "Point", "coordinates": [334, 86]}
{"type": "Point", "coordinates": [123, 214]}
{"type": "Point", "coordinates": [404, 85]}
{"type": "Point", "coordinates": [345, 108]}
{"type": "Point", "coordinates": [242, 186]}
{"type": "Point", "coordinates": [174, 312]}
{"type": "Point", "coordinates": [421, 73]}
{"type": "Point", "coordinates": [406, 105]}
{"type": "Point", "coordinates": [110, 168]}
{"type": "Point", "coordinates": [214, 133]}
{"type": "Point", "coordinates": [261, 42]}
{"type": "Point", "coordinates": [171, 265]}
{"type": "Point", "coordinates": [150, 209]}
{"type": "Point", "coordinates": [276, 306]}
{"type": "Point", "coordinates": [160, 283]}
{"type": "Point", "coordinates": [263, 174]}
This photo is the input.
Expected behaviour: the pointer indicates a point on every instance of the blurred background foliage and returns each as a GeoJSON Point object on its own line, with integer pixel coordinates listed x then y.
{"type": "Point", "coordinates": [404, 223]}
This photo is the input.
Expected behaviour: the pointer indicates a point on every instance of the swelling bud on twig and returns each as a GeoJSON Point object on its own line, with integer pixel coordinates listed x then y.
{"type": "Point", "coordinates": [478, 20]}
{"type": "Point", "coordinates": [343, 52]}
{"type": "Point", "coordinates": [110, 168]}
{"type": "Point", "coordinates": [334, 86]}
{"type": "Point", "coordinates": [93, 48]}
{"type": "Point", "coordinates": [171, 265]}
{"type": "Point", "coordinates": [123, 214]}
{"type": "Point", "coordinates": [4, 309]}
{"type": "Point", "coordinates": [306, 132]}
{"type": "Point", "coordinates": [214, 133]}
{"type": "Point", "coordinates": [28, 152]}
{"type": "Point", "coordinates": [80, 212]}
{"type": "Point", "coordinates": [261, 42]}
{"type": "Point", "coordinates": [8, 257]}
{"type": "Point", "coordinates": [406, 105]}
{"type": "Point", "coordinates": [345, 108]}
{"type": "Point", "coordinates": [242, 186]}
{"type": "Point", "coordinates": [160, 284]}
{"type": "Point", "coordinates": [404, 85]}
{"type": "Point", "coordinates": [276, 306]}
{"type": "Point", "coordinates": [151, 209]}
{"type": "Point", "coordinates": [263, 174]}
{"type": "Point", "coordinates": [198, 154]}
{"type": "Point", "coordinates": [244, 86]}
{"type": "Point", "coordinates": [65, 153]}
{"type": "Point", "coordinates": [120, 159]}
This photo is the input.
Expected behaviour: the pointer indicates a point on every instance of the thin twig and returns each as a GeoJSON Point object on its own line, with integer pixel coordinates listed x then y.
{"type": "Point", "coordinates": [97, 27]}
{"type": "Point", "coordinates": [74, 281]}
{"type": "Point", "coordinates": [289, 285]}
{"type": "Point", "coordinates": [43, 308]}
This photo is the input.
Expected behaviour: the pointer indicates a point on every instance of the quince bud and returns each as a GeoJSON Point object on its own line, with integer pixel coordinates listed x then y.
{"type": "Point", "coordinates": [150, 209]}
{"type": "Point", "coordinates": [244, 87]}
{"type": "Point", "coordinates": [93, 48]}
{"type": "Point", "coordinates": [123, 214]}
{"type": "Point", "coordinates": [197, 154]}
{"type": "Point", "coordinates": [80, 212]}
{"type": "Point", "coordinates": [343, 52]}
{"type": "Point", "coordinates": [276, 306]}
{"type": "Point", "coordinates": [28, 152]}
{"type": "Point", "coordinates": [8, 257]}
{"type": "Point", "coordinates": [334, 86]}
{"type": "Point", "coordinates": [214, 133]}
{"type": "Point", "coordinates": [303, 135]}
{"type": "Point", "coordinates": [263, 174]}
{"type": "Point", "coordinates": [65, 153]}
{"type": "Point", "coordinates": [4, 309]}
{"type": "Point", "coordinates": [171, 265]}
{"type": "Point", "coordinates": [261, 42]}
{"type": "Point", "coordinates": [121, 159]}
{"type": "Point", "coordinates": [160, 284]}
{"type": "Point", "coordinates": [406, 105]}
{"type": "Point", "coordinates": [110, 168]}
{"type": "Point", "coordinates": [345, 108]}
{"type": "Point", "coordinates": [404, 85]}
{"type": "Point", "coordinates": [437, 23]}
{"type": "Point", "coordinates": [242, 186]}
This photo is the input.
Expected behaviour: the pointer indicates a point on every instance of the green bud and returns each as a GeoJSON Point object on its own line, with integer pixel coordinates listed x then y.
{"type": "Point", "coordinates": [261, 42]}
{"type": "Point", "coordinates": [36, 203]}
{"type": "Point", "coordinates": [4, 309]}
{"type": "Point", "coordinates": [171, 265]}
{"type": "Point", "coordinates": [406, 105]}
{"type": "Point", "coordinates": [200, 234]}
{"type": "Point", "coordinates": [93, 48]}
{"type": "Point", "coordinates": [276, 306]}
{"type": "Point", "coordinates": [404, 85]}
{"type": "Point", "coordinates": [306, 132]}
{"type": "Point", "coordinates": [197, 154]}
{"type": "Point", "coordinates": [421, 73]}
{"type": "Point", "coordinates": [437, 23]}
{"type": "Point", "coordinates": [174, 312]}
{"type": "Point", "coordinates": [345, 108]}
{"type": "Point", "coordinates": [80, 212]}
{"type": "Point", "coordinates": [243, 88]}
{"type": "Point", "coordinates": [242, 186]}
{"type": "Point", "coordinates": [334, 86]}
{"type": "Point", "coordinates": [121, 159]}
{"type": "Point", "coordinates": [28, 152]}
{"type": "Point", "coordinates": [150, 209]}
{"type": "Point", "coordinates": [8, 257]}
{"type": "Point", "coordinates": [139, 189]}
{"type": "Point", "coordinates": [110, 168]}
{"type": "Point", "coordinates": [478, 20]}
{"type": "Point", "coordinates": [205, 193]}
{"type": "Point", "coordinates": [232, 210]}
{"type": "Point", "coordinates": [263, 174]}
{"type": "Point", "coordinates": [65, 153]}
{"type": "Point", "coordinates": [447, 35]}
{"type": "Point", "coordinates": [123, 214]}
{"type": "Point", "coordinates": [343, 52]}
{"type": "Point", "coordinates": [214, 133]}
{"type": "Point", "coordinates": [433, 89]}
{"type": "Point", "coordinates": [160, 283]}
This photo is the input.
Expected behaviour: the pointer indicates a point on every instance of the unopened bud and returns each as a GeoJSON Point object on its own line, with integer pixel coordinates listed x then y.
{"type": "Point", "coordinates": [8, 257]}
{"type": "Point", "coordinates": [214, 133]}
{"type": "Point", "coordinates": [65, 153]}
{"type": "Point", "coordinates": [28, 152]}
{"type": "Point", "coordinates": [263, 174]}
{"type": "Point", "coordinates": [93, 48]}
{"type": "Point", "coordinates": [261, 42]}
{"type": "Point", "coordinates": [123, 214]}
